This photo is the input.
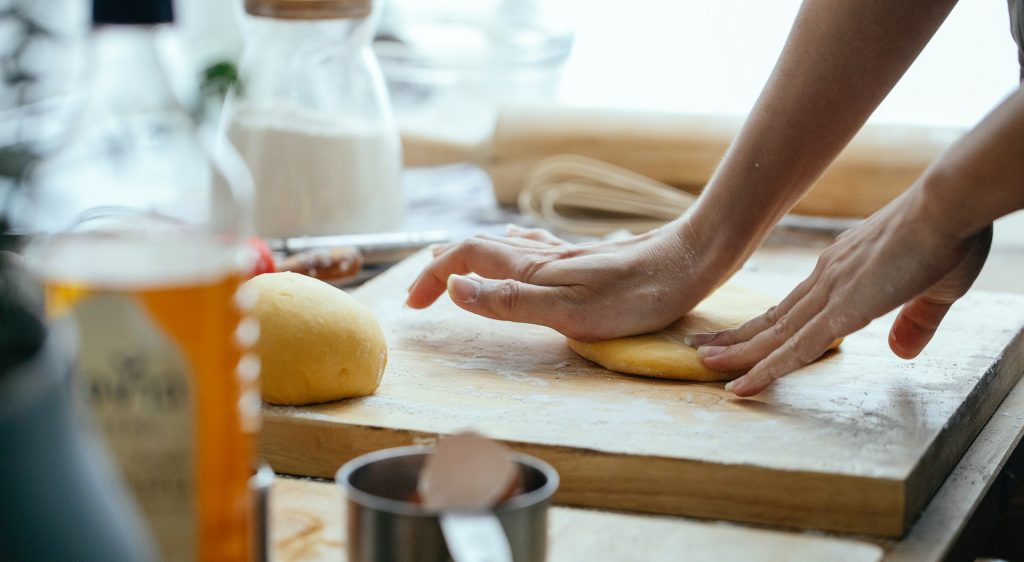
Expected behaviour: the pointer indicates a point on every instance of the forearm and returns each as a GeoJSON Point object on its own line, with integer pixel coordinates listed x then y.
{"type": "Point", "coordinates": [840, 61]}
{"type": "Point", "coordinates": [981, 177]}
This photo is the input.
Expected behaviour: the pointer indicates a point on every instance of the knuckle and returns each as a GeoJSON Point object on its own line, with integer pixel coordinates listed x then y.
{"type": "Point", "coordinates": [796, 349]}
{"type": "Point", "coordinates": [508, 292]}
{"type": "Point", "coordinates": [564, 251]}
{"type": "Point", "coordinates": [827, 268]}
{"type": "Point", "coordinates": [472, 245]}
{"type": "Point", "coordinates": [532, 266]}
{"type": "Point", "coordinates": [781, 326]}
{"type": "Point", "coordinates": [856, 322]}
{"type": "Point", "coordinates": [823, 260]}
{"type": "Point", "coordinates": [529, 269]}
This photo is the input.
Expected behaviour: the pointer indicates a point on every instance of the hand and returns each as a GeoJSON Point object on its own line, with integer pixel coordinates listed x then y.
{"type": "Point", "coordinates": [902, 254]}
{"type": "Point", "coordinates": [585, 291]}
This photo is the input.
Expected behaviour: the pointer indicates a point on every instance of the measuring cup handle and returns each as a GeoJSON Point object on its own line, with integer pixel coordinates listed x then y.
{"type": "Point", "coordinates": [475, 537]}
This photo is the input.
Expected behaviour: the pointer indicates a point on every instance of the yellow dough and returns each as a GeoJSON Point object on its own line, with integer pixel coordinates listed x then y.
{"type": "Point", "coordinates": [316, 342]}
{"type": "Point", "coordinates": [663, 354]}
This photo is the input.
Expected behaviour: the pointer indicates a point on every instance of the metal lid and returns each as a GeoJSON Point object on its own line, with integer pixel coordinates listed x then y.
{"type": "Point", "coordinates": [132, 12]}
{"type": "Point", "coordinates": [309, 9]}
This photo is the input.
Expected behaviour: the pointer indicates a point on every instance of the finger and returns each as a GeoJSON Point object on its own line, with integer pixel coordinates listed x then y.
{"type": "Point", "coordinates": [807, 345]}
{"type": "Point", "coordinates": [736, 335]}
{"type": "Point", "coordinates": [538, 234]}
{"type": "Point", "coordinates": [745, 354]}
{"type": "Point", "coordinates": [757, 325]}
{"type": "Point", "coordinates": [438, 249]}
{"type": "Point", "coordinates": [509, 299]}
{"type": "Point", "coordinates": [917, 322]}
{"type": "Point", "coordinates": [915, 325]}
{"type": "Point", "coordinates": [514, 241]}
{"type": "Point", "coordinates": [484, 257]}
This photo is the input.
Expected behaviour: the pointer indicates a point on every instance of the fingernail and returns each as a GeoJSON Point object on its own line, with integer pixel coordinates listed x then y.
{"type": "Point", "coordinates": [513, 228]}
{"type": "Point", "coordinates": [697, 340]}
{"type": "Point", "coordinates": [710, 350]}
{"type": "Point", "coordinates": [463, 289]}
{"type": "Point", "coordinates": [729, 385]}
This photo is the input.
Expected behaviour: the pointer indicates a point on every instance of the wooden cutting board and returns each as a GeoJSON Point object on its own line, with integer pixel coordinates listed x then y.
{"type": "Point", "coordinates": [857, 442]}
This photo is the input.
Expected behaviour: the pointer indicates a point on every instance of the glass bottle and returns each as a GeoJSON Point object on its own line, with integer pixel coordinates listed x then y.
{"type": "Point", "coordinates": [310, 115]}
{"type": "Point", "coordinates": [140, 243]}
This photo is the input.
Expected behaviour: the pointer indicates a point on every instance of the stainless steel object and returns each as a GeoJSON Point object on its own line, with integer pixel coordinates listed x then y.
{"type": "Point", "coordinates": [377, 248]}
{"type": "Point", "coordinates": [386, 524]}
{"type": "Point", "coordinates": [259, 484]}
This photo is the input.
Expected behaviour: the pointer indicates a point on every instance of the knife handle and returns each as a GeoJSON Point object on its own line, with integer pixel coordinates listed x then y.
{"type": "Point", "coordinates": [326, 264]}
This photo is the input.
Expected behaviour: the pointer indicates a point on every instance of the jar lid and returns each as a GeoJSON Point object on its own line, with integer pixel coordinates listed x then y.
{"type": "Point", "coordinates": [309, 9]}
{"type": "Point", "coordinates": [132, 12]}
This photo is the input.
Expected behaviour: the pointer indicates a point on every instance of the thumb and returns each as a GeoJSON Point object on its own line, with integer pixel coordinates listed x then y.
{"type": "Point", "coordinates": [916, 323]}
{"type": "Point", "coordinates": [506, 299]}
{"type": "Point", "coordinates": [915, 326]}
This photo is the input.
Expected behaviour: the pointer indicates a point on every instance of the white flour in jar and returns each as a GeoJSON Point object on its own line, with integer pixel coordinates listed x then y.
{"type": "Point", "coordinates": [319, 175]}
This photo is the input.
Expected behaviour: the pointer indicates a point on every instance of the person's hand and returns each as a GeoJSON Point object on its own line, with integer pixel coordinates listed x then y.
{"type": "Point", "coordinates": [902, 255]}
{"type": "Point", "coordinates": [585, 291]}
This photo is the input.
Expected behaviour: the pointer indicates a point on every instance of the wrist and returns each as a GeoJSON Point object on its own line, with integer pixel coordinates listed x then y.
{"type": "Point", "coordinates": [728, 229]}
{"type": "Point", "coordinates": [938, 199]}
{"type": "Point", "coordinates": [713, 243]}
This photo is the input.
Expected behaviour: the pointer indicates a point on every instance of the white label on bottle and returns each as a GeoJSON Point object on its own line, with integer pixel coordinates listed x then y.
{"type": "Point", "coordinates": [138, 387]}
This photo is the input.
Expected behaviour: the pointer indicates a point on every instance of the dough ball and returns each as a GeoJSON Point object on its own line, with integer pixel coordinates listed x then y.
{"type": "Point", "coordinates": [317, 343]}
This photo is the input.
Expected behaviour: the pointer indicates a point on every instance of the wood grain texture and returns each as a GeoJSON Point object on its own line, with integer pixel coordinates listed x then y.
{"type": "Point", "coordinates": [966, 509]}
{"type": "Point", "coordinates": [857, 442]}
{"type": "Point", "coordinates": [306, 518]}
{"type": "Point", "coordinates": [307, 523]}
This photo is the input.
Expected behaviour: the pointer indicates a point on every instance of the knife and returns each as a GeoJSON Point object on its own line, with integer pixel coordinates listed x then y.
{"type": "Point", "coordinates": [377, 248]}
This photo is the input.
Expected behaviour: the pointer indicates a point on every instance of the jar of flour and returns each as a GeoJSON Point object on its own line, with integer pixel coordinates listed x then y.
{"type": "Point", "coordinates": [310, 116]}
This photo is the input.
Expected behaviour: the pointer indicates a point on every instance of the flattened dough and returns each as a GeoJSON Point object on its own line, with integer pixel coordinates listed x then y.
{"type": "Point", "coordinates": [663, 354]}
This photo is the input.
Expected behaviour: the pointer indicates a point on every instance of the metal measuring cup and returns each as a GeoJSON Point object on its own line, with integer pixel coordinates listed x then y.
{"type": "Point", "coordinates": [386, 524]}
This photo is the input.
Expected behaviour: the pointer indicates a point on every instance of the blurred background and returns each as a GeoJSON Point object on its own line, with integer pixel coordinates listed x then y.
{"type": "Point", "coordinates": [447, 61]}
{"type": "Point", "coordinates": [451, 67]}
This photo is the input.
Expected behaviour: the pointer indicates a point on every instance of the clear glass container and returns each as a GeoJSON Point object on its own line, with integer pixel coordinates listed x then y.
{"type": "Point", "coordinates": [451, 64]}
{"type": "Point", "coordinates": [139, 237]}
{"type": "Point", "coordinates": [311, 117]}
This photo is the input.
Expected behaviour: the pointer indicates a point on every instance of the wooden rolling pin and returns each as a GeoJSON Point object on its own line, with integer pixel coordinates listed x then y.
{"type": "Point", "coordinates": [682, 151]}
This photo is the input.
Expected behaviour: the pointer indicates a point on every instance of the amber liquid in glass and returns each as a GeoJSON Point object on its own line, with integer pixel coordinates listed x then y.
{"type": "Point", "coordinates": [148, 312]}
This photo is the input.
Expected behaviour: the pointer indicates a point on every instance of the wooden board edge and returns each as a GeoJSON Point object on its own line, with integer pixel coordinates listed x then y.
{"type": "Point", "coordinates": [939, 460]}
{"type": "Point", "coordinates": [659, 485]}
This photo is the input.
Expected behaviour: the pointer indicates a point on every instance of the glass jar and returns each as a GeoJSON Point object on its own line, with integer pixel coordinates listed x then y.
{"type": "Point", "coordinates": [449, 65]}
{"type": "Point", "coordinates": [310, 115]}
{"type": "Point", "coordinates": [139, 237]}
